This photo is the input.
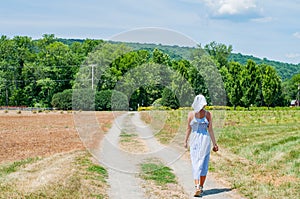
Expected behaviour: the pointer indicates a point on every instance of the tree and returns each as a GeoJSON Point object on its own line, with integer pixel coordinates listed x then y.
{"type": "Point", "coordinates": [271, 84]}
{"type": "Point", "coordinates": [159, 57]}
{"type": "Point", "coordinates": [46, 90]}
{"type": "Point", "coordinates": [233, 83]}
{"type": "Point", "coordinates": [120, 66]}
{"type": "Point", "coordinates": [24, 48]}
{"type": "Point", "coordinates": [144, 83]}
{"type": "Point", "coordinates": [96, 68]}
{"type": "Point", "coordinates": [23, 55]}
{"type": "Point", "coordinates": [6, 71]}
{"type": "Point", "coordinates": [14, 55]}
{"type": "Point", "coordinates": [182, 66]}
{"type": "Point", "coordinates": [250, 83]}
{"type": "Point", "coordinates": [46, 40]}
{"type": "Point", "coordinates": [212, 83]}
{"type": "Point", "coordinates": [169, 99]}
{"type": "Point", "coordinates": [197, 81]}
{"type": "Point", "coordinates": [82, 49]}
{"type": "Point", "coordinates": [291, 88]}
{"type": "Point", "coordinates": [57, 62]}
{"type": "Point", "coordinates": [219, 52]}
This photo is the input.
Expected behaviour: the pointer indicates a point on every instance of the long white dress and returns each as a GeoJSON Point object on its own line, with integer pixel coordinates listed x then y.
{"type": "Point", "coordinates": [199, 146]}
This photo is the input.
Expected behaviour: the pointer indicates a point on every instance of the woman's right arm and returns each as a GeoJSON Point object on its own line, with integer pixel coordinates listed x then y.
{"type": "Point", "coordinates": [188, 129]}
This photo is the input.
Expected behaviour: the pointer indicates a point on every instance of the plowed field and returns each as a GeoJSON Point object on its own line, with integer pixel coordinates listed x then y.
{"type": "Point", "coordinates": [27, 134]}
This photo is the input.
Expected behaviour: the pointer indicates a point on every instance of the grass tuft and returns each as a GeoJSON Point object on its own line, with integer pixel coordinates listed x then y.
{"type": "Point", "coordinates": [158, 172]}
{"type": "Point", "coordinates": [5, 170]}
{"type": "Point", "coordinates": [98, 169]}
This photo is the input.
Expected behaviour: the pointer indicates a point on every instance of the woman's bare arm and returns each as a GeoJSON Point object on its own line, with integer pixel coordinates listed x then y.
{"type": "Point", "coordinates": [211, 132]}
{"type": "Point", "coordinates": [188, 129]}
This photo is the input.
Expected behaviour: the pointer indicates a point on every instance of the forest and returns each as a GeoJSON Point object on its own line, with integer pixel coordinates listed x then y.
{"type": "Point", "coordinates": [93, 74]}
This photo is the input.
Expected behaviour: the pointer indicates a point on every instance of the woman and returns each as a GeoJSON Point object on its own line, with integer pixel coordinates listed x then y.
{"type": "Point", "coordinates": [200, 131]}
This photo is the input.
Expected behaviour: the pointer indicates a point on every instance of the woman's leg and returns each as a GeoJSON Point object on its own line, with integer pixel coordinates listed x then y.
{"type": "Point", "coordinates": [202, 180]}
{"type": "Point", "coordinates": [198, 187]}
{"type": "Point", "coordinates": [197, 182]}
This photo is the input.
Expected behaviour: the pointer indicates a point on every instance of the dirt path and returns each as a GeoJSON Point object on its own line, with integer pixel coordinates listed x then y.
{"type": "Point", "coordinates": [123, 166]}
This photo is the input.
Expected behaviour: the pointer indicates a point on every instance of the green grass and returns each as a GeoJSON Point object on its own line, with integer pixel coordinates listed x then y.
{"type": "Point", "coordinates": [98, 169]}
{"type": "Point", "coordinates": [157, 172]}
{"type": "Point", "coordinates": [266, 149]}
{"type": "Point", "coordinates": [100, 173]}
{"type": "Point", "coordinates": [259, 149]}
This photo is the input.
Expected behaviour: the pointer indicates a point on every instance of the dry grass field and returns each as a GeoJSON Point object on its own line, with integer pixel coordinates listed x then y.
{"type": "Point", "coordinates": [42, 156]}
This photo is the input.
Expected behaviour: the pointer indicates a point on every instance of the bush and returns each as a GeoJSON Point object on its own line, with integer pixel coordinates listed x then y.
{"type": "Point", "coordinates": [103, 100]}
{"type": "Point", "coordinates": [110, 100]}
{"type": "Point", "coordinates": [83, 99]}
{"type": "Point", "coordinates": [169, 99]}
{"type": "Point", "coordinates": [62, 100]}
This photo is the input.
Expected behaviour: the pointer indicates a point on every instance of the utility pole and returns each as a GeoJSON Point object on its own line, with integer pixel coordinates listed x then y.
{"type": "Point", "coordinates": [93, 65]}
{"type": "Point", "coordinates": [298, 96]}
{"type": "Point", "coordinates": [6, 96]}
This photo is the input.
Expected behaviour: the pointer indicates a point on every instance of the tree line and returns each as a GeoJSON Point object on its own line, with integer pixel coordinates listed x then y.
{"type": "Point", "coordinates": [50, 72]}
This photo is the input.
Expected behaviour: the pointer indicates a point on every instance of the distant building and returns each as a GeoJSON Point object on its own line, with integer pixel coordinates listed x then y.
{"type": "Point", "coordinates": [294, 103]}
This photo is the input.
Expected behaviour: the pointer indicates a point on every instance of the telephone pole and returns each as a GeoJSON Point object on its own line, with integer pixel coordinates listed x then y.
{"type": "Point", "coordinates": [298, 96]}
{"type": "Point", "coordinates": [93, 65]}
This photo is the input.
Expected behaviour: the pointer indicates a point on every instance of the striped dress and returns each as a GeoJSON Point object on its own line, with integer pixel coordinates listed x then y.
{"type": "Point", "coordinates": [199, 146]}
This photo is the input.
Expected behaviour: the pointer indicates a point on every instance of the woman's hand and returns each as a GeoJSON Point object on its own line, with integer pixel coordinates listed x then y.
{"type": "Point", "coordinates": [215, 148]}
{"type": "Point", "coordinates": [185, 144]}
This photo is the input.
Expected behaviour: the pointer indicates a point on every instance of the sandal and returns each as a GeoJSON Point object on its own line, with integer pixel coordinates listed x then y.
{"type": "Point", "coordinates": [199, 191]}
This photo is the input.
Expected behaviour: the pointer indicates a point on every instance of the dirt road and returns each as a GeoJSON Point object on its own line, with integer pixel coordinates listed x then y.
{"type": "Point", "coordinates": [123, 166]}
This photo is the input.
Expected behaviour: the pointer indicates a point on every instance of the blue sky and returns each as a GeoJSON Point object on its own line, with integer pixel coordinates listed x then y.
{"type": "Point", "coordinates": [265, 29]}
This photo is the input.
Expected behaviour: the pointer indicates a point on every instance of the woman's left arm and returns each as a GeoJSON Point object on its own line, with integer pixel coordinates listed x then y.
{"type": "Point", "coordinates": [211, 132]}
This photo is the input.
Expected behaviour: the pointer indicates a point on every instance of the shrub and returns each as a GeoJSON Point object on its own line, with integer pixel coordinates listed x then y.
{"type": "Point", "coordinates": [169, 99]}
{"type": "Point", "coordinates": [110, 100]}
{"type": "Point", "coordinates": [83, 99]}
{"type": "Point", "coordinates": [62, 100]}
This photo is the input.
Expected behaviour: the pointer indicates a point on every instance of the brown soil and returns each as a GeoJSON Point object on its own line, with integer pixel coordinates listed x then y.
{"type": "Point", "coordinates": [27, 134]}
{"type": "Point", "coordinates": [53, 137]}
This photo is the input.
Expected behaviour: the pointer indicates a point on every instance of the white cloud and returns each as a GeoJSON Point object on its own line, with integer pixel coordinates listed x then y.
{"type": "Point", "coordinates": [230, 7]}
{"type": "Point", "coordinates": [297, 35]}
{"type": "Point", "coordinates": [263, 19]}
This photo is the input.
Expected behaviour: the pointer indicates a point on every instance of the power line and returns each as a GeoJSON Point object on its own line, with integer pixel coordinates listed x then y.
{"type": "Point", "coordinates": [55, 80]}
{"type": "Point", "coordinates": [36, 66]}
{"type": "Point", "coordinates": [56, 66]}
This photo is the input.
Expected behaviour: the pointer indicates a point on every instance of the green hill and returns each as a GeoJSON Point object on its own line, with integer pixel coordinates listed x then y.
{"type": "Point", "coordinates": [285, 70]}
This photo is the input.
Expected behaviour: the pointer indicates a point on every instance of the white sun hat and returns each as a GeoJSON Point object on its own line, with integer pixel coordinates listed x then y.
{"type": "Point", "coordinates": [199, 103]}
